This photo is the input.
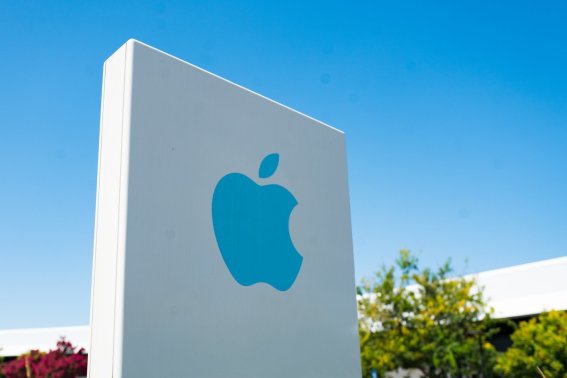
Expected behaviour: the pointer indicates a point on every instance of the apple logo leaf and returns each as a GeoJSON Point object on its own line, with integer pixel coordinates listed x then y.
{"type": "Point", "coordinates": [269, 165]}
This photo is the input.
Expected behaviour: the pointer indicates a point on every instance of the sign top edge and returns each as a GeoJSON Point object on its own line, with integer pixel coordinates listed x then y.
{"type": "Point", "coordinates": [133, 42]}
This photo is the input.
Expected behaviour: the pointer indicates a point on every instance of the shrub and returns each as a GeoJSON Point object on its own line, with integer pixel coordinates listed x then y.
{"type": "Point", "coordinates": [62, 362]}
{"type": "Point", "coordinates": [539, 348]}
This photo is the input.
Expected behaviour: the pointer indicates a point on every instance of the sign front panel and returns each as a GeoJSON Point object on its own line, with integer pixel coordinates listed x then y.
{"type": "Point", "coordinates": [233, 239]}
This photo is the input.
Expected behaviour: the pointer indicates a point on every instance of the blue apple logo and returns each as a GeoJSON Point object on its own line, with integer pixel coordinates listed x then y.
{"type": "Point", "coordinates": [251, 224]}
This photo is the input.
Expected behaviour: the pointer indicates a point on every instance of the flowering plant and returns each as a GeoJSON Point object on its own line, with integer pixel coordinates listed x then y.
{"type": "Point", "coordinates": [62, 362]}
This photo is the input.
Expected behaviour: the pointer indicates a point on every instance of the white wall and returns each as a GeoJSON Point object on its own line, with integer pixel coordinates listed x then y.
{"type": "Point", "coordinates": [526, 289]}
{"type": "Point", "coordinates": [14, 342]}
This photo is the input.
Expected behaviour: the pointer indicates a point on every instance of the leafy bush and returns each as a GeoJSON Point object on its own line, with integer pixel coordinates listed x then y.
{"type": "Point", "coordinates": [539, 348]}
{"type": "Point", "coordinates": [423, 320]}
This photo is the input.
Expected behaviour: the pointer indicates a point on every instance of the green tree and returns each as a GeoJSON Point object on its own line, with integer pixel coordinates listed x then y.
{"type": "Point", "coordinates": [421, 319]}
{"type": "Point", "coordinates": [539, 348]}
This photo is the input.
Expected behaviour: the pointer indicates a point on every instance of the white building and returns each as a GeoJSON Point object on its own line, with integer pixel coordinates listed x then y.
{"type": "Point", "coordinates": [14, 342]}
{"type": "Point", "coordinates": [525, 290]}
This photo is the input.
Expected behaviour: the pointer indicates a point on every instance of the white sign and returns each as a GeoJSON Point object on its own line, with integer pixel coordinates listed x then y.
{"type": "Point", "coordinates": [223, 238]}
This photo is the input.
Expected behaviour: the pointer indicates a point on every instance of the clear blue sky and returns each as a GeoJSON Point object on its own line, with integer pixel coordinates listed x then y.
{"type": "Point", "coordinates": [455, 114]}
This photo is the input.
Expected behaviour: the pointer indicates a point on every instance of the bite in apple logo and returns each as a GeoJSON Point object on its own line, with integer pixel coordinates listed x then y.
{"type": "Point", "coordinates": [251, 224]}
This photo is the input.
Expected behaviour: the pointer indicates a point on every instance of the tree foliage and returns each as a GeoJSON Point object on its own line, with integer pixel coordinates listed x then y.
{"type": "Point", "coordinates": [539, 348]}
{"type": "Point", "coordinates": [421, 319]}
